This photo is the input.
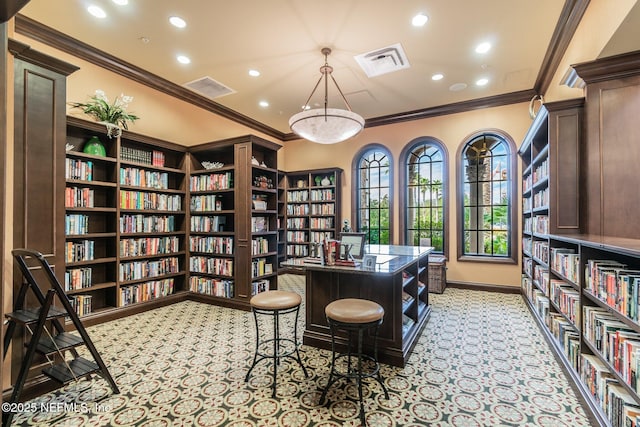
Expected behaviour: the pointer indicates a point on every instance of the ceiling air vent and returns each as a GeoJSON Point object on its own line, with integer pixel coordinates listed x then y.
{"type": "Point", "coordinates": [208, 87]}
{"type": "Point", "coordinates": [383, 61]}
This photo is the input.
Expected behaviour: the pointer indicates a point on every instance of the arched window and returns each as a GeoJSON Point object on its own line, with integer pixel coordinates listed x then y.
{"type": "Point", "coordinates": [425, 193]}
{"type": "Point", "coordinates": [372, 169]}
{"type": "Point", "coordinates": [487, 209]}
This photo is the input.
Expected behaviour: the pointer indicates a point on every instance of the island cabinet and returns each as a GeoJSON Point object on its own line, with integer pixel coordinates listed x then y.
{"type": "Point", "coordinates": [398, 282]}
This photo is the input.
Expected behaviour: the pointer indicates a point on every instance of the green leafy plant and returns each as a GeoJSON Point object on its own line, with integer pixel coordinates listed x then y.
{"type": "Point", "coordinates": [114, 115]}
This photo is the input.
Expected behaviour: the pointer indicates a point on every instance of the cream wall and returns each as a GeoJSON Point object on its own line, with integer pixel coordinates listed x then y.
{"type": "Point", "coordinates": [452, 130]}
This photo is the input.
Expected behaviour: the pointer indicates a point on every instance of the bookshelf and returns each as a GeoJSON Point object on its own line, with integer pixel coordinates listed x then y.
{"type": "Point", "coordinates": [233, 237]}
{"type": "Point", "coordinates": [311, 209]}
{"type": "Point", "coordinates": [594, 320]}
{"type": "Point", "coordinates": [124, 221]}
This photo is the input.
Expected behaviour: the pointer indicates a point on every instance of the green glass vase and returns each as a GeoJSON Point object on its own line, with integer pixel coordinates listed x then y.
{"type": "Point", "coordinates": [94, 147]}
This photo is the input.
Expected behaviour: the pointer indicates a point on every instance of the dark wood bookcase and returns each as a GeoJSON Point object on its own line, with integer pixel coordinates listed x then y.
{"type": "Point", "coordinates": [585, 296]}
{"type": "Point", "coordinates": [248, 210]}
{"type": "Point", "coordinates": [125, 220]}
{"type": "Point", "coordinates": [310, 209]}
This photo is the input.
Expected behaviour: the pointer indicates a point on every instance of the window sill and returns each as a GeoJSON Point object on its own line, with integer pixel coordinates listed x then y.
{"type": "Point", "coordinates": [487, 259]}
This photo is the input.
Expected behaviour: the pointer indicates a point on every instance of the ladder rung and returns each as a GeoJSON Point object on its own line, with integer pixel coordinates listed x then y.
{"type": "Point", "coordinates": [61, 342]}
{"type": "Point", "coordinates": [32, 315]}
{"type": "Point", "coordinates": [79, 367]}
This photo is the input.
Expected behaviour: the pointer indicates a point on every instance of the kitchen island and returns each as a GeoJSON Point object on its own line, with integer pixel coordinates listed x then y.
{"type": "Point", "coordinates": [398, 282]}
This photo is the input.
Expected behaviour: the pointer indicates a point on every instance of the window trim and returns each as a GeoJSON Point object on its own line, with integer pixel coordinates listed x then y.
{"type": "Point", "coordinates": [404, 156]}
{"type": "Point", "coordinates": [513, 256]}
{"type": "Point", "coordinates": [355, 184]}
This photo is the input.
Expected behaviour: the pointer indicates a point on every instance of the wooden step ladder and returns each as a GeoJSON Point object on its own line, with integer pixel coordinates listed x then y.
{"type": "Point", "coordinates": [53, 340]}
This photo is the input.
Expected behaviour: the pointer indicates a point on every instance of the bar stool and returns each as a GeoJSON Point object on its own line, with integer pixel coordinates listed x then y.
{"type": "Point", "coordinates": [354, 316]}
{"type": "Point", "coordinates": [275, 304]}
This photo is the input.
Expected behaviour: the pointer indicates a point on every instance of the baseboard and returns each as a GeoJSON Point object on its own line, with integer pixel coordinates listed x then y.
{"type": "Point", "coordinates": [484, 287]}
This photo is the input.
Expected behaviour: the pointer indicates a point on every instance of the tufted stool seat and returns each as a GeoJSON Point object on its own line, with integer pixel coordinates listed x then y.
{"type": "Point", "coordinates": [276, 304]}
{"type": "Point", "coordinates": [354, 316]}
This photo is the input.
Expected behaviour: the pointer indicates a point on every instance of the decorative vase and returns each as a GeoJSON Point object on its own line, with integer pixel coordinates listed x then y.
{"type": "Point", "coordinates": [325, 181]}
{"type": "Point", "coordinates": [94, 147]}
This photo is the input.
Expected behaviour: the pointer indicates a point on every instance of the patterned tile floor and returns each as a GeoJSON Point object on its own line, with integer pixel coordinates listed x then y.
{"type": "Point", "coordinates": [481, 361]}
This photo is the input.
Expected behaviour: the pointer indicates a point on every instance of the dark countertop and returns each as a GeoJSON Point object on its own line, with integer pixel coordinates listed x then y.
{"type": "Point", "coordinates": [390, 259]}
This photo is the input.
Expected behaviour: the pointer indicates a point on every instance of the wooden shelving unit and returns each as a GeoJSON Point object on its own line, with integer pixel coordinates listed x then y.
{"type": "Point", "coordinates": [245, 215]}
{"type": "Point", "coordinates": [311, 209]}
{"type": "Point", "coordinates": [125, 220]}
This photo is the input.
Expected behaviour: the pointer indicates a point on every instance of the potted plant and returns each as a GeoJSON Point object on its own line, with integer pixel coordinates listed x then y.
{"type": "Point", "coordinates": [113, 115]}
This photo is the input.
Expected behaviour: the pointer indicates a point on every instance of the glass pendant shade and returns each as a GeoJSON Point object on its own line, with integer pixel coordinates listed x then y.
{"type": "Point", "coordinates": [328, 126]}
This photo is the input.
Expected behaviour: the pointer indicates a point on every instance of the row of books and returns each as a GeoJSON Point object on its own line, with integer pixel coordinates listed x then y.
{"type": "Point", "coordinates": [154, 157]}
{"type": "Point", "coordinates": [297, 209]}
{"type": "Point", "coordinates": [297, 236]}
{"type": "Point", "coordinates": [259, 246]}
{"type": "Point", "coordinates": [541, 172]}
{"type": "Point", "coordinates": [208, 224]}
{"type": "Point", "coordinates": [78, 169]}
{"type": "Point", "coordinates": [319, 236]}
{"type": "Point", "coordinates": [144, 178]}
{"type": "Point", "coordinates": [78, 197]}
{"type": "Point", "coordinates": [81, 304]}
{"type": "Point", "coordinates": [208, 265]}
{"type": "Point", "coordinates": [205, 203]}
{"type": "Point", "coordinates": [541, 198]}
{"type": "Point", "coordinates": [211, 244]}
{"type": "Point", "coordinates": [541, 250]}
{"type": "Point", "coordinates": [566, 262]}
{"type": "Point", "coordinates": [149, 246]}
{"type": "Point", "coordinates": [260, 267]}
{"type": "Point", "coordinates": [297, 223]}
{"type": "Point", "coordinates": [211, 286]}
{"type": "Point", "coordinates": [147, 223]}
{"type": "Point", "coordinates": [566, 298]}
{"type": "Point", "coordinates": [145, 200]}
{"type": "Point", "coordinates": [77, 278]}
{"type": "Point", "coordinates": [297, 250]}
{"type": "Point", "coordinates": [616, 342]}
{"type": "Point", "coordinates": [541, 277]}
{"type": "Point", "coordinates": [567, 336]}
{"type": "Point", "coordinates": [258, 286]}
{"type": "Point", "coordinates": [615, 284]}
{"type": "Point", "coordinates": [527, 183]}
{"type": "Point", "coordinates": [323, 209]}
{"type": "Point", "coordinates": [540, 224]}
{"type": "Point", "coordinates": [146, 291]}
{"type": "Point", "coordinates": [326, 194]}
{"type": "Point", "coordinates": [321, 222]}
{"type": "Point", "coordinates": [214, 181]}
{"type": "Point", "coordinates": [76, 224]}
{"type": "Point", "coordinates": [76, 251]}
{"type": "Point", "coordinates": [297, 196]}
{"type": "Point", "coordinates": [149, 268]}
{"type": "Point", "coordinates": [616, 402]}
{"type": "Point", "coordinates": [526, 204]}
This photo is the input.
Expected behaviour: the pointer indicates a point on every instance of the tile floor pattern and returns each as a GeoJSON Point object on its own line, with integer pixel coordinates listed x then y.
{"type": "Point", "coordinates": [481, 361]}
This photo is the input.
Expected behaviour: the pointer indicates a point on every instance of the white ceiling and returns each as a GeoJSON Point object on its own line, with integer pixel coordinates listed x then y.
{"type": "Point", "coordinates": [282, 39]}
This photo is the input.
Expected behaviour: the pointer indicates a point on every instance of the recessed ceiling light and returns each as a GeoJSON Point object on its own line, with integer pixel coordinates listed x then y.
{"type": "Point", "coordinates": [457, 87]}
{"type": "Point", "coordinates": [264, 104]}
{"type": "Point", "coordinates": [183, 59]}
{"type": "Point", "coordinates": [96, 11]}
{"type": "Point", "coordinates": [483, 47]}
{"type": "Point", "coordinates": [419, 20]}
{"type": "Point", "coordinates": [437, 76]}
{"type": "Point", "coordinates": [254, 73]}
{"type": "Point", "coordinates": [176, 21]}
{"type": "Point", "coordinates": [482, 82]}
{"type": "Point", "coordinates": [121, 2]}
